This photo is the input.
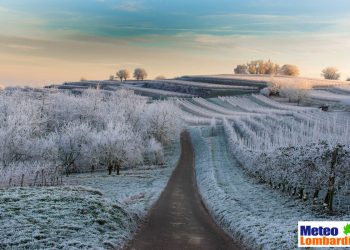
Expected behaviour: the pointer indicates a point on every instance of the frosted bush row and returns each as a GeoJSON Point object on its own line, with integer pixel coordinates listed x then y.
{"type": "Point", "coordinates": [42, 133]}
{"type": "Point", "coordinates": [297, 161]}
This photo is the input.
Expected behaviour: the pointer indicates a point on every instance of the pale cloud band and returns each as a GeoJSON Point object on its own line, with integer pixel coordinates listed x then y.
{"type": "Point", "coordinates": [64, 41]}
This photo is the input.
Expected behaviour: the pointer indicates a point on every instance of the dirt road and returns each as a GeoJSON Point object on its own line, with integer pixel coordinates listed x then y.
{"type": "Point", "coordinates": [179, 221]}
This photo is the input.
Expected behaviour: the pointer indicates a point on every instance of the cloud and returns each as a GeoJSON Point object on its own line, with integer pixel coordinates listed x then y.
{"type": "Point", "coordinates": [3, 9]}
{"type": "Point", "coordinates": [129, 6]}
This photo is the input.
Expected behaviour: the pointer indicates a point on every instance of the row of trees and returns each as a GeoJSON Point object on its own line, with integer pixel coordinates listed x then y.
{"type": "Point", "coordinates": [266, 68]}
{"type": "Point", "coordinates": [269, 68]}
{"type": "Point", "coordinates": [124, 74]}
{"type": "Point", "coordinates": [307, 167]}
{"type": "Point", "coordinates": [53, 132]}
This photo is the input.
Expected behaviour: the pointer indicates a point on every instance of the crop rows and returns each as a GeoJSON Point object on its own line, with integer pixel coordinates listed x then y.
{"type": "Point", "coordinates": [300, 150]}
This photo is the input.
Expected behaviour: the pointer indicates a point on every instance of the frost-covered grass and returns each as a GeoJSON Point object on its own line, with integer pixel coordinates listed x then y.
{"type": "Point", "coordinates": [135, 189]}
{"type": "Point", "coordinates": [255, 214]}
{"type": "Point", "coordinates": [61, 218]}
{"type": "Point", "coordinates": [156, 91]}
{"type": "Point", "coordinates": [329, 96]}
{"type": "Point", "coordinates": [93, 211]}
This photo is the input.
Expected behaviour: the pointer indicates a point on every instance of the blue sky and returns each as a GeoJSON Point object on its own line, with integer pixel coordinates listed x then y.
{"type": "Point", "coordinates": [107, 34]}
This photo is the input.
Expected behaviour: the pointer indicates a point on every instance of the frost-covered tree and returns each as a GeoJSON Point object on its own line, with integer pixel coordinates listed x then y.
{"type": "Point", "coordinates": [262, 67]}
{"type": "Point", "coordinates": [274, 86]}
{"type": "Point", "coordinates": [241, 69]}
{"type": "Point", "coordinates": [58, 132]}
{"type": "Point", "coordinates": [154, 152]}
{"type": "Point", "coordinates": [270, 68]}
{"type": "Point", "coordinates": [116, 146]}
{"type": "Point", "coordinates": [290, 70]}
{"type": "Point", "coordinates": [123, 74]}
{"type": "Point", "coordinates": [163, 122]}
{"type": "Point", "coordinates": [140, 74]}
{"type": "Point", "coordinates": [331, 73]}
{"type": "Point", "coordinates": [70, 141]}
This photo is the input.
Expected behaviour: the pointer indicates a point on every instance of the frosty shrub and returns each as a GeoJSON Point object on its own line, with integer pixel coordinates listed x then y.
{"type": "Point", "coordinates": [330, 73]}
{"type": "Point", "coordinates": [290, 70]}
{"type": "Point", "coordinates": [46, 132]}
{"type": "Point", "coordinates": [241, 69]}
{"type": "Point", "coordinates": [301, 156]}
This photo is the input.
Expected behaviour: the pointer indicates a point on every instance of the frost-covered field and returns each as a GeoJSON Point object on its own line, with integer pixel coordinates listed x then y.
{"type": "Point", "coordinates": [252, 212]}
{"type": "Point", "coordinates": [283, 80]}
{"type": "Point", "coordinates": [330, 96]}
{"type": "Point", "coordinates": [124, 148]}
{"type": "Point", "coordinates": [61, 218]}
{"type": "Point", "coordinates": [91, 211]}
{"type": "Point", "coordinates": [262, 166]}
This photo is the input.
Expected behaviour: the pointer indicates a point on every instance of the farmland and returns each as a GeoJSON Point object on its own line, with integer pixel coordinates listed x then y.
{"type": "Point", "coordinates": [261, 163]}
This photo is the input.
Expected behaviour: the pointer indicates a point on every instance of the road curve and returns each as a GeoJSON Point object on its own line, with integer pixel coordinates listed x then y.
{"type": "Point", "coordinates": [178, 220]}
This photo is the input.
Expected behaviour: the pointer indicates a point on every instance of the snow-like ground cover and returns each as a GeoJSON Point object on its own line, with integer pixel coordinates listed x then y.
{"type": "Point", "coordinates": [93, 211]}
{"type": "Point", "coordinates": [135, 189]}
{"type": "Point", "coordinates": [255, 214]}
{"type": "Point", "coordinates": [329, 96]}
{"type": "Point", "coordinates": [283, 80]}
{"type": "Point", "coordinates": [155, 91]}
{"type": "Point", "coordinates": [201, 85]}
{"type": "Point", "coordinates": [61, 218]}
{"type": "Point", "coordinates": [343, 88]}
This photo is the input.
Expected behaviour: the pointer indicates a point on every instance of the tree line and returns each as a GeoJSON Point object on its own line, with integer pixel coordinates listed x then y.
{"type": "Point", "coordinates": [124, 74]}
{"type": "Point", "coordinates": [45, 134]}
{"type": "Point", "coordinates": [261, 67]}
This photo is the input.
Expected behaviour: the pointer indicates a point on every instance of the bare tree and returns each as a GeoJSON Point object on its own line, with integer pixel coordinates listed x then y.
{"type": "Point", "coordinates": [290, 70]}
{"type": "Point", "coordinates": [140, 74]}
{"type": "Point", "coordinates": [111, 77]}
{"type": "Point", "coordinates": [330, 73]}
{"type": "Point", "coordinates": [123, 74]}
{"type": "Point", "coordinates": [241, 69]}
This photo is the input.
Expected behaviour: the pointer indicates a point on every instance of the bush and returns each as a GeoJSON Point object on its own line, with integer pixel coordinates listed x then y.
{"type": "Point", "coordinates": [290, 70]}
{"type": "Point", "coordinates": [330, 73]}
{"type": "Point", "coordinates": [241, 69]}
{"type": "Point", "coordinates": [262, 67]}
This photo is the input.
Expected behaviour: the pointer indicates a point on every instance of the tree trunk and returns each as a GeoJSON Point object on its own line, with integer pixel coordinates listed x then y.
{"type": "Point", "coordinates": [316, 193]}
{"type": "Point", "coordinates": [110, 168]}
{"type": "Point", "coordinates": [331, 181]}
{"type": "Point", "coordinates": [118, 169]}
